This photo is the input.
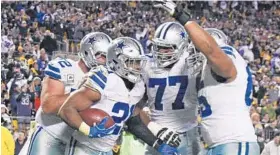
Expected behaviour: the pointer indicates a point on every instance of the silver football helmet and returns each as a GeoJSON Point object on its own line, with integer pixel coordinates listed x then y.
{"type": "Point", "coordinates": [219, 36]}
{"type": "Point", "coordinates": [126, 58]}
{"type": "Point", "coordinates": [169, 43]}
{"type": "Point", "coordinates": [195, 60]}
{"type": "Point", "coordinates": [93, 45]}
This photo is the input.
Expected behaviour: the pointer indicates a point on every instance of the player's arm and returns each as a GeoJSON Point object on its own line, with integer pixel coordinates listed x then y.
{"type": "Point", "coordinates": [138, 128]}
{"type": "Point", "coordinates": [53, 95]}
{"type": "Point", "coordinates": [80, 100]}
{"type": "Point", "coordinates": [83, 99]}
{"type": "Point", "coordinates": [220, 63]}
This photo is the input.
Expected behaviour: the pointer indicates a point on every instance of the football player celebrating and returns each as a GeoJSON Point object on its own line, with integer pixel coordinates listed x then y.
{"type": "Point", "coordinates": [62, 77]}
{"type": "Point", "coordinates": [116, 91]}
{"type": "Point", "coordinates": [225, 90]}
{"type": "Point", "coordinates": [171, 89]}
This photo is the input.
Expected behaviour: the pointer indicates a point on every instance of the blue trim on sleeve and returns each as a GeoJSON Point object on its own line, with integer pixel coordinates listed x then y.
{"type": "Point", "coordinates": [52, 75]}
{"type": "Point", "coordinates": [54, 69]}
{"type": "Point", "coordinates": [228, 51]}
{"type": "Point", "coordinates": [101, 76]}
{"type": "Point", "coordinates": [97, 81]}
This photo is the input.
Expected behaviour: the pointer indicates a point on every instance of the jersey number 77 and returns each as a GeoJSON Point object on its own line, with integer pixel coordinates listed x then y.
{"type": "Point", "coordinates": [172, 81]}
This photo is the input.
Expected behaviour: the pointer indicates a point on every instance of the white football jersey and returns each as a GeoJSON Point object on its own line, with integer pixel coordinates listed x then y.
{"type": "Point", "coordinates": [68, 72]}
{"type": "Point", "coordinates": [172, 95]}
{"type": "Point", "coordinates": [225, 106]}
{"type": "Point", "coordinates": [116, 100]}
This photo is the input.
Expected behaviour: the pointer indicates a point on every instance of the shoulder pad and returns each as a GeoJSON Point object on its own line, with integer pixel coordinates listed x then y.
{"type": "Point", "coordinates": [56, 67]}
{"type": "Point", "coordinates": [97, 78]}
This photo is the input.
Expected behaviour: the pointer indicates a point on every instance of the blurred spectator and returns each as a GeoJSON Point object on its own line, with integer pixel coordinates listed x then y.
{"type": "Point", "coordinates": [14, 86]}
{"type": "Point", "coordinates": [7, 142]}
{"type": "Point", "coordinates": [42, 61]}
{"type": "Point", "coordinates": [48, 43]}
{"type": "Point", "coordinates": [20, 141]}
{"type": "Point", "coordinates": [270, 130]}
{"type": "Point", "coordinates": [5, 118]}
{"type": "Point", "coordinates": [269, 111]}
{"type": "Point", "coordinates": [24, 107]}
{"type": "Point", "coordinates": [37, 92]}
{"type": "Point", "coordinates": [273, 147]}
{"type": "Point", "coordinates": [7, 44]}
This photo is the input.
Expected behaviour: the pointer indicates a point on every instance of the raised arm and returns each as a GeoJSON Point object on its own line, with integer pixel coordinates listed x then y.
{"type": "Point", "coordinates": [220, 63]}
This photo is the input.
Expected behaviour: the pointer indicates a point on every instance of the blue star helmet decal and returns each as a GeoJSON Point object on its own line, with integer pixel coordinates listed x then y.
{"type": "Point", "coordinates": [121, 45]}
{"type": "Point", "coordinates": [92, 40]}
{"type": "Point", "coordinates": [183, 34]}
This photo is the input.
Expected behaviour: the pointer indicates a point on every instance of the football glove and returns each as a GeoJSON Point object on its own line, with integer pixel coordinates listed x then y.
{"type": "Point", "coordinates": [166, 135]}
{"type": "Point", "coordinates": [178, 12]}
{"type": "Point", "coordinates": [99, 130]}
{"type": "Point", "coordinates": [169, 137]}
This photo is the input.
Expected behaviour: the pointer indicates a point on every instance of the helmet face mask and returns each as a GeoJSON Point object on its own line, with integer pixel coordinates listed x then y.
{"type": "Point", "coordinates": [195, 60]}
{"type": "Point", "coordinates": [169, 43]}
{"type": "Point", "coordinates": [100, 57]}
{"type": "Point", "coordinates": [166, 54]}
{"type": "Point", "coordinates": [133, 65]}
{"type": "Point", "coordinates": [126, 58]}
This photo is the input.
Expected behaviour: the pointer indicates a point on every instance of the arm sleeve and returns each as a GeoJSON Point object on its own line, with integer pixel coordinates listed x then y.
{"type": "Point", "coordinates": [53, 71]}
{"type": "Point", "coordinates": [140, 130]}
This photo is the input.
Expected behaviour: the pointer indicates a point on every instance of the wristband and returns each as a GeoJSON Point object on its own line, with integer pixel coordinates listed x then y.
{"type": "Point", "coordinates": [154, 128]}
{"type": "Point", "coordinates": [84, 128]}
{"type": "Point", "coordinates": [182, 17]}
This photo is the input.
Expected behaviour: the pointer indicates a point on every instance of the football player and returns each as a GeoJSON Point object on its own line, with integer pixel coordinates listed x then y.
{"type": "Point", "coordinates": [116, 91]}
{"type": "Point", "coordinates": [225, 90]}
{"type": "Point", "coordinates": [62, 77]}
{"type": "Point", "coordinates": [171, 89]}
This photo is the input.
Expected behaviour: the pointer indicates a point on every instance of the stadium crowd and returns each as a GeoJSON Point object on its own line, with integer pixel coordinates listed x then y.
{"type": "Point", "coordinates": [33, 32]}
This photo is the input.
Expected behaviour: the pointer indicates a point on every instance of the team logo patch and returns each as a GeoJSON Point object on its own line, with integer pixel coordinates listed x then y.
{"type": "Point", "coordinates": [70, 78]}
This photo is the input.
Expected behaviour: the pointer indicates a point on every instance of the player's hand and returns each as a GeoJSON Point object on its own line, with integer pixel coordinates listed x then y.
{"type": "Point", "coordinates": [178, 12]}
{"type": "Point", "coordinates": [99, 130]}
{"type": "Point", "coordinates": [169, 6]}
{"type": "Point", "coordinates": [169, 137]}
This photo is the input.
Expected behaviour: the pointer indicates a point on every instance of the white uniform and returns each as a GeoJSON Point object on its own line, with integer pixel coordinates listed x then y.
{"type": "Point", "coordinates": [172, 97]}
{"type": "Point", "coordinates": [116, 100]}
{"type": "Point", "coordinates": [68, 72]}
{"type": "Point", "coordinates": [52, 135]}
{"type": "Point", "coordinates": [225, 112]}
